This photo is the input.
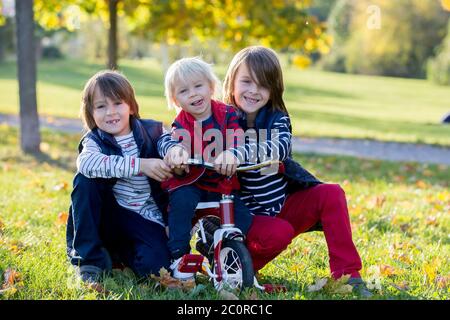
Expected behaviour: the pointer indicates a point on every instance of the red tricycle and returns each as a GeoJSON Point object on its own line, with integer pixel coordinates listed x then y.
{"type": "Point", "coordinates": [228, 262]}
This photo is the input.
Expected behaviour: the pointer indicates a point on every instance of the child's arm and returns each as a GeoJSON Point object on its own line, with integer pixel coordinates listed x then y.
{"type": "Point", "coordinates": [278, 148]}
{"type": "Point", "coordinates": [227, 161]}
{"type": "Point", "coordinates": [165, 142]}
{"type": "Point", "coordinates": [173, 152]}
{"type": "Point", "coordinates": [92, 163]}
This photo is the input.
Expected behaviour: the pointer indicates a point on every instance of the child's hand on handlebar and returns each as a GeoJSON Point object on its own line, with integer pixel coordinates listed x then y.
{"type": "Point", "coordinates": [226, 163]}
{"type": "Point", "coordinates": [176, 158]}
{"type": "Point", "coordinates": [155, 169]}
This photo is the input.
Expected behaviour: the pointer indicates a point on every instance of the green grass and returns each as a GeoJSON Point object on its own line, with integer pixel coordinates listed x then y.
{"type": "Point", "coordinates": [399, 213]}
{"type": "Point", "coordinates": [320, 103]}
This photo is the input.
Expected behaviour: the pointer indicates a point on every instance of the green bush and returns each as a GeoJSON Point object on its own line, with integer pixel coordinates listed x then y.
{"type": "Point", "coordinates": [408, 33]}
{"type": "Point", "coordinates": [438, 68]}
{"type": "Point", "coordinates": [51, 52]}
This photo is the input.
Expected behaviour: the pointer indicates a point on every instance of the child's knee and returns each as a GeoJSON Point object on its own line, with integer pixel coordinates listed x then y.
{"type": "Point", "coordinates": [335, 190]}
{"type": "Point", "coordinates": [269, 235]}
{"type": "Point", "coordinates": [283, 233]}
{"type": "Point", "coordinates": [88, 186]}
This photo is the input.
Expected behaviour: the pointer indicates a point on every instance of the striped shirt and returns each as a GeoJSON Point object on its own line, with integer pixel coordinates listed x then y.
{"type": "Point", "coordinates": [132, 189]}
{"type": "Point", "coordinates": [262, 192]}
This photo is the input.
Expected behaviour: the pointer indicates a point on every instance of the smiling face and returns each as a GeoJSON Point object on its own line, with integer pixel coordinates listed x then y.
{"type": "Point", "coordinates": [248, 94]}
{"type": "Point", "coordinates": [194, 96]}
{"type": "Point", "coordinates": [110, 115]}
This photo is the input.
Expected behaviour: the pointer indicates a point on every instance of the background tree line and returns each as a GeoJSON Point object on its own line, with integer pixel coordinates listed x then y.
{"type": "Point", "coordinates": [411, 41]}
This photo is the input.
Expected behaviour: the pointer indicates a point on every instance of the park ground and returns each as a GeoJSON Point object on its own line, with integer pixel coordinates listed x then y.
{"type": "Point", "coordinates": [399, 211]}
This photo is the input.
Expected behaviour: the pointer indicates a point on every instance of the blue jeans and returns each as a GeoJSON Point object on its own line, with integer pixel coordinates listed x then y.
{"type": "Point", "coordinates": [182, 204]}
{"type": "Point", "coordinates": [97, 222]}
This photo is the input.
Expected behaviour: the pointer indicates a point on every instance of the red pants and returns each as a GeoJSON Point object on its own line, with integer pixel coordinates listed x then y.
{"type": "Point", "coordinates": [269, 236]}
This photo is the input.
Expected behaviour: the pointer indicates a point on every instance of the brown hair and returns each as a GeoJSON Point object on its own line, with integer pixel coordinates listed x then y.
{"type": "Point", "coordinates": [113, 85]}
{"type": "Point", "coordinates": [264, 64]}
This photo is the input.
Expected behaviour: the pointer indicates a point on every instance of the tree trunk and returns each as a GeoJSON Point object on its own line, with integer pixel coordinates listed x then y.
{"type": "Point", "coordinates": [30, 137]}
{"type": "Point", "coordinates": [2, 42]}
{"type": "Point", "coordinates": [112, 34]}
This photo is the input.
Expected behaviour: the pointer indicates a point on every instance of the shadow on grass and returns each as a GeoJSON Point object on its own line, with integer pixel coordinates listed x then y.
{"type": "Point", "coordinates": [61, 163]}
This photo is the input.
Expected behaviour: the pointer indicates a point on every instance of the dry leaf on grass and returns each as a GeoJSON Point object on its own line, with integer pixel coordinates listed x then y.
{"type": "Point", "coordinates": [227, 295]}
{"type": "Point", "coordinates": [167, 281]}
{"type": "Point", "coordinates": [97, 287]}
{"type": "Point", "coordinates": [339, 286]}
{"type": "Point", "coordinates": [387, 270]}
{"type": "Point", "coordinates": [320, 283]}
{"type": "Point", "coordinates": [332, 286]}
{"type": "Point", "coordinates": [402, 286]}
{"type": "Point", "coordinates": [62, 218]}
{"type": "Point", "coordinates": [442, 281]}
{"type": "Point", "coordinates": [11, 277]}
{"type": "Point", "coordinates": [431, 221]}
{"type": "Point", "coordinates": [376, 202]}
{"type": "Point", "coordinates": [62, 186]}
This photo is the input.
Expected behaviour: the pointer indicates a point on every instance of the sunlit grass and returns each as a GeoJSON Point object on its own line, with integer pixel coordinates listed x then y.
{"type": "Point", "coordinates": [399, 213]}
{"type": "Point", "coordinates": [320, 103]}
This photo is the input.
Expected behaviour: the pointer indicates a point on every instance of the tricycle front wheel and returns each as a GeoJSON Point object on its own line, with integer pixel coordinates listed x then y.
{"type": "Point", "coordinates": [236, 265]}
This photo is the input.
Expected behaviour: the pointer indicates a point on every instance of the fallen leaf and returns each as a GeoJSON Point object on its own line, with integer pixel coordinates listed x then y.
{"type": "Point", "coordinates": [167, 281]}
{"type": "Point", "coordinates": [11, 277]}
{"type": "Point", "coordinates": [373, 282]}
{"type": "Point", "coordinates": [376, 202]}
{"type": "Point", "coordinates": [342, 289]}
{"type": "Point", "coordinates": [226, 295]}
{"type": "Point", "coordinates": [97, 287]}
{"type": "Point", "coordinates": [402, 286]}
{"type": "Point", "coordinates": [320, 283]}
{"type": "Point", "coordinates": [62, 186]}
{"type": "Point", "coordinates": [442, 281]}
{"type": "Point", "coordinates": [339, 286]}
{"type": "Point", "coordinates": [421, 184]}
{"type": "Point", "coordinates": [431, 221]}
{"type": "Point", "coordinates": [387, 270]}
{"type": "Point", "coordinates": [20, 224]}
{"type": "Point", "coordinates": [62, 218]}
{"type": "Point", "coordinates": [404, 258]}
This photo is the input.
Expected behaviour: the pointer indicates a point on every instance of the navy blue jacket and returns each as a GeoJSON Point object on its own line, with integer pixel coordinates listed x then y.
{"type": "Point", "coordinates": [297, 177]}
{"type": "Point", "coordinates": [146, 134]}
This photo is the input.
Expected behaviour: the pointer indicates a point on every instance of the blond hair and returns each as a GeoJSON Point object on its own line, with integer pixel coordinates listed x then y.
{"type": "Point", "coordinates": [184, 69]}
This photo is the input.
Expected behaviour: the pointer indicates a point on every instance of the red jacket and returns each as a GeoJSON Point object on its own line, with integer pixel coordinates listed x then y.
{"type": "Point", "coordinates": [227, 118]}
